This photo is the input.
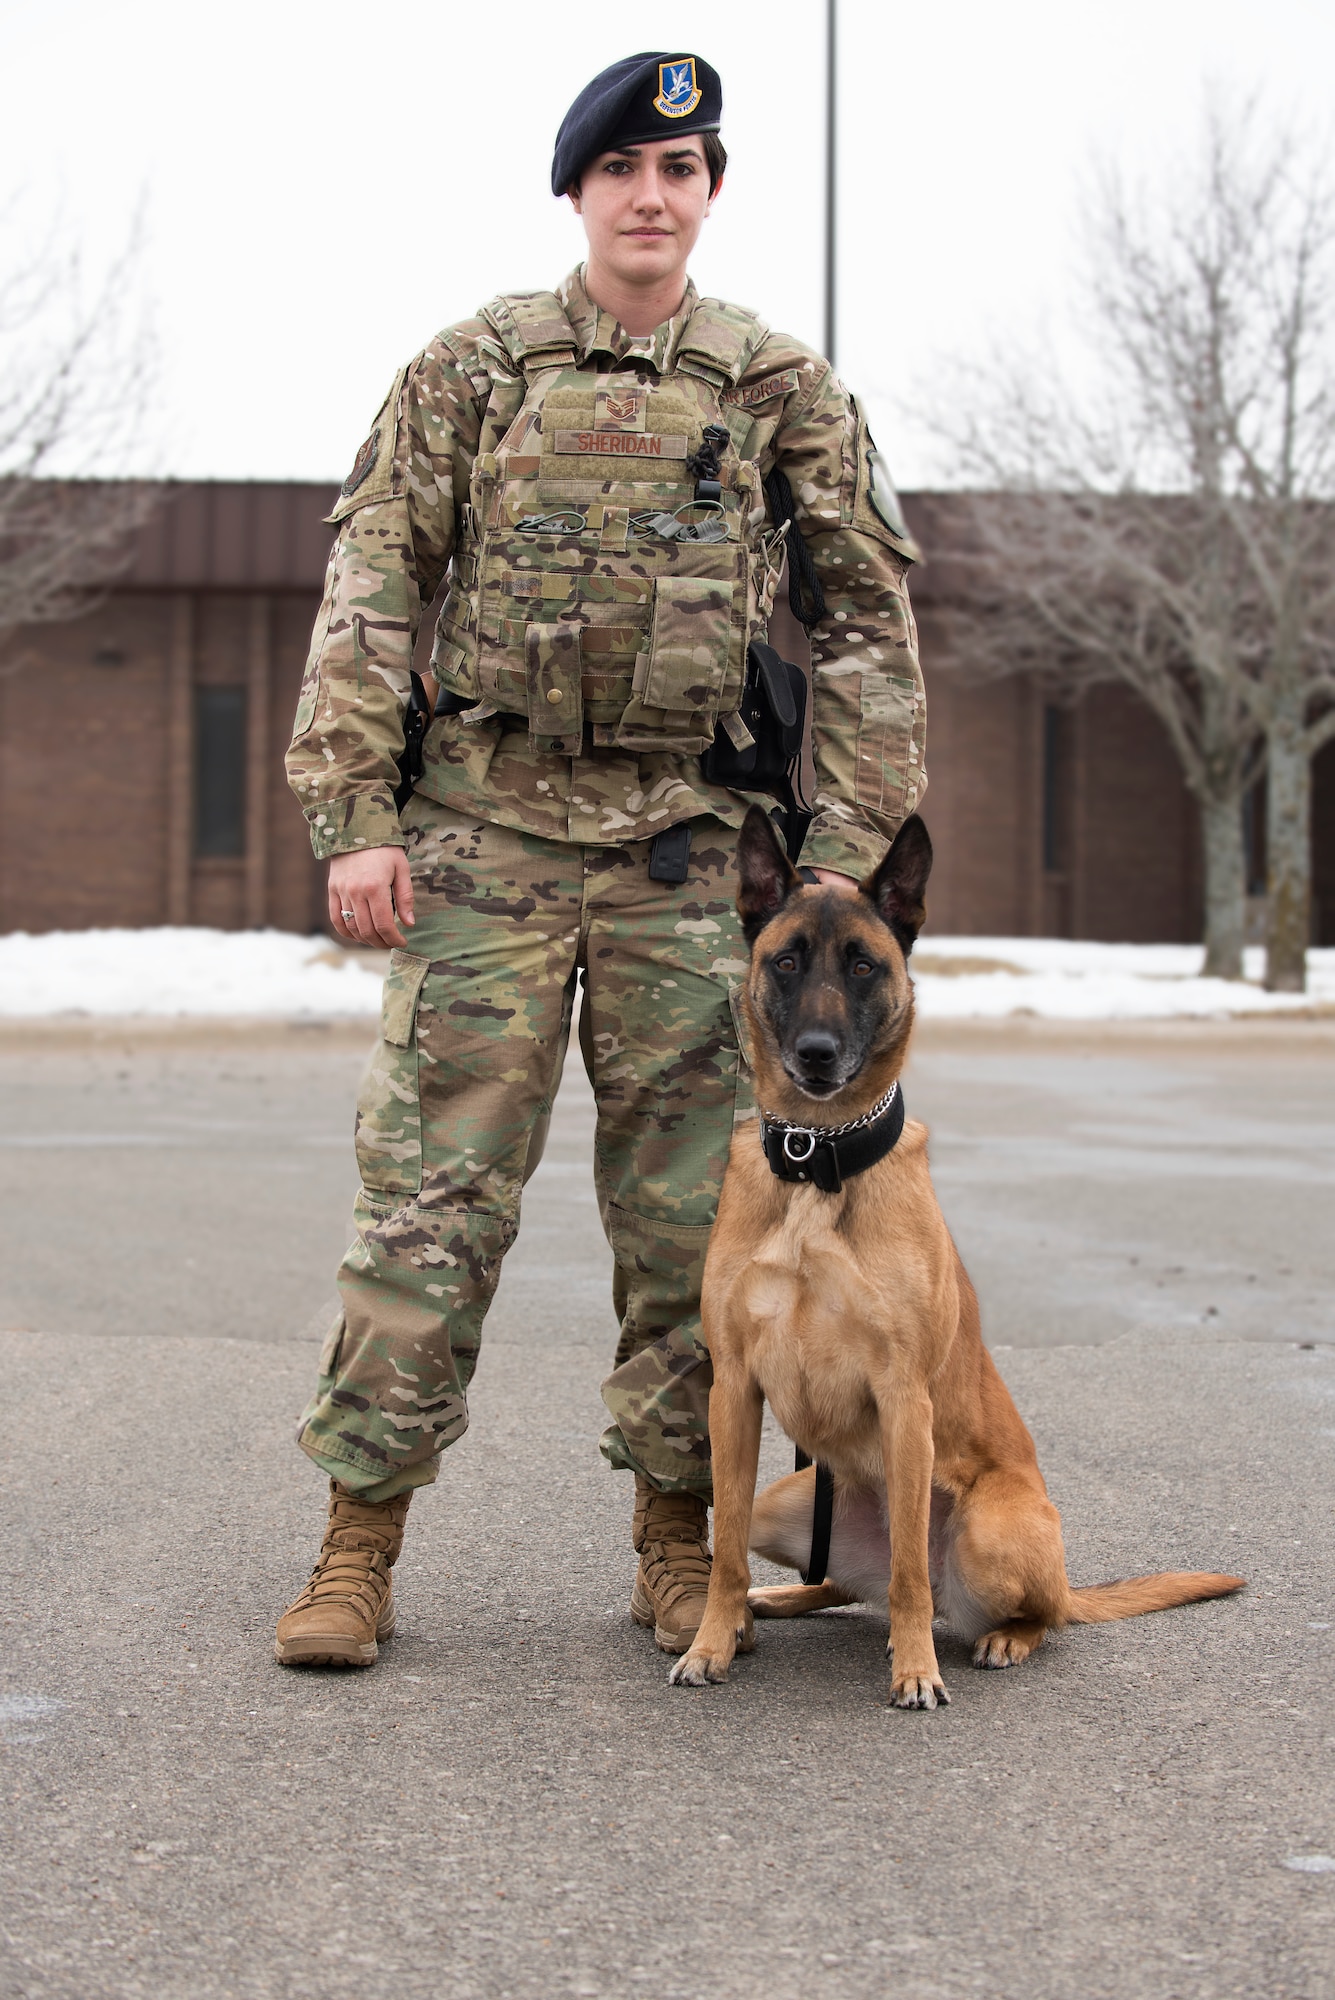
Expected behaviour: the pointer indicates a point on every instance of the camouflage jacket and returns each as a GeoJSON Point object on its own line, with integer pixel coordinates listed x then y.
{"type": "Point", "coordinates": [399, 524]}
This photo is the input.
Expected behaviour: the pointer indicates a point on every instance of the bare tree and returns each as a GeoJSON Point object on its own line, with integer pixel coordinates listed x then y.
{"type": "Point", "coordinates": [1055, 584]}
{"type": "Point", "coordinates": [75, 383]}
{"type": "Point", "coordinates": [1173, 524]}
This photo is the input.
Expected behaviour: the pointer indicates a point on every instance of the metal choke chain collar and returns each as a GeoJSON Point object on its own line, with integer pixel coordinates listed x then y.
{"type": "Point", "coordinates": [819, 1135]}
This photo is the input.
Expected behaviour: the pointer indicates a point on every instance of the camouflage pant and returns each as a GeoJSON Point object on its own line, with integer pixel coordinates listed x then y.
{"type": "Point", "coordinates": [475, 1023]}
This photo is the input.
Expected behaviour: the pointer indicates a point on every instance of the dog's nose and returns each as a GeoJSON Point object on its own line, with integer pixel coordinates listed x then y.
{"type": "Point", "coordinates": [817, 1050]}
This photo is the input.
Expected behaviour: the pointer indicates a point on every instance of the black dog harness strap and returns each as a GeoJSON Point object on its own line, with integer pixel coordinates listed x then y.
{"type": "Point", "coordinates": [825, 1156]}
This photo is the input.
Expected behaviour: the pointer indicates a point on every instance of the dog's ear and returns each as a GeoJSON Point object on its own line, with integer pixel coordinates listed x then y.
{"type": "Point", "coordinates": [899, 884]}
{"type": "Point", "coordinates": [768, 876]}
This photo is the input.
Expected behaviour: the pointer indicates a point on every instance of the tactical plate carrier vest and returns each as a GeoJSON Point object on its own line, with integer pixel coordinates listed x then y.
{"type": "Point", "coordinates": [591, 590]}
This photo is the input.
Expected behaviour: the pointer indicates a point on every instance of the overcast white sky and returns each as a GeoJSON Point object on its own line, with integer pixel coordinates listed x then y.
{"type": "Point", "coordinates": [327, 183]}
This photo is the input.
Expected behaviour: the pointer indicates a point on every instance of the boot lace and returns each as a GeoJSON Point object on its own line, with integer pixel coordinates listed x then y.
{"type": "Point", "coordinates": [673, 1570]}
{"type": "Point", "coordinates": [356, 1556]}
{"type": "Point", "coordinates": [673, 1547]}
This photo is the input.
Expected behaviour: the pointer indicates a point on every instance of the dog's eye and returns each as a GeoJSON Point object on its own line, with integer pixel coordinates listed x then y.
{"type": "Point", "coordinates": [785, 962]}
{"type": "Point", "coordinates": [861, 967]}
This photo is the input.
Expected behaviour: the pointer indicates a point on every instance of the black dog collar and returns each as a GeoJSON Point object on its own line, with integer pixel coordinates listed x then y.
{"type": "Point", "coordinates": [825, 1155]}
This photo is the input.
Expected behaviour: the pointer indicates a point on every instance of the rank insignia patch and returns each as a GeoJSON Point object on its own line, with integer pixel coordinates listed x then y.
{"type": "Point", "coordinates": [620, 404]}
{"type": "Point", "coordinates": [678, 91]}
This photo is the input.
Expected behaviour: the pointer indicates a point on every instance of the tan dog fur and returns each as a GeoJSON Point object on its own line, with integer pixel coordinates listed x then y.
{"type": "Point", "coordinates": [853, 1316]}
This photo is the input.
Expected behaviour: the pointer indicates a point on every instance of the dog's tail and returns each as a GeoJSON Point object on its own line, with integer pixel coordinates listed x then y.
{"type": "Point", "coordinates": [1100, 1603]}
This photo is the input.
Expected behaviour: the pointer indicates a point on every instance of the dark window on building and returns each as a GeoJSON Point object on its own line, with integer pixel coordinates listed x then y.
{"type": "Point", "coordinates": [1056, 787]}
{"type": "Point", "coordinates": [220, 770]}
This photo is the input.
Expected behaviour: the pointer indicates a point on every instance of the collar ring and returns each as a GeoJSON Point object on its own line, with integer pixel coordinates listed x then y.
{"type": "Point", "coordinates": [798, 1132]}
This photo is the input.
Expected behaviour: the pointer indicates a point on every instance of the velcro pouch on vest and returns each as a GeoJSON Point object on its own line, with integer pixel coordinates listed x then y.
{"type": "Point", "coordinates": [688, 648]}
{"type": "Point", "coordinates": [679, 679]}
{"type": "Point", "coordinates": [555, 699]}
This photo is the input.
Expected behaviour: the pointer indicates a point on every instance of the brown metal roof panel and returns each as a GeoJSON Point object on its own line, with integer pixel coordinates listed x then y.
{"type": "Point", "coordinates": [271, 535]}
{"type": "Point", "coordinates": [234, 534]}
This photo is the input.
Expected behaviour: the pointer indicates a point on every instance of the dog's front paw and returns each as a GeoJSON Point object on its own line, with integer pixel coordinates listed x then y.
{"type": "Point", "coordinates": [918, 1691]}
{"type": "Point", "coordinates": [698, 1667]}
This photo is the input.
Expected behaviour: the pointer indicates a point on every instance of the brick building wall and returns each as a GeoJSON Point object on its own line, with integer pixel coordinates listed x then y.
{"type": "Point", "coordinates": [141, 755]}
{"type": "Point", "coordinates": [107, 722]}
{"type": "Point", "coordinates": [1047, 821]}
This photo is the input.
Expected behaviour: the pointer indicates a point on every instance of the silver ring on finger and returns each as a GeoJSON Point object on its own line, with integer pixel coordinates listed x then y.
{"type": "Point", "coordinates": [347, 915]}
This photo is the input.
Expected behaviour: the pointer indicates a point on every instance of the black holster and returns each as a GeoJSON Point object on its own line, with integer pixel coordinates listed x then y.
{"type": "Point", "coordinates": [774, 709]}
{"type": "Point", "coordinates": [416, 721]}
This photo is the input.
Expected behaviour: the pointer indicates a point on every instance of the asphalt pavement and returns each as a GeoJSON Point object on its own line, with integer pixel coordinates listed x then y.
{"type": "Point", "coordinates": [514, 1802]}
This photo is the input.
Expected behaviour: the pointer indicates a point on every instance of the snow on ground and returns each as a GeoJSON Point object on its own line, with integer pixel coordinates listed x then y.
{"type": "Point", "coordinates": [184, 971]}
{"type": "Point", "coordinates": [1061, 979]}
{"type": "Point", "coordinates": [274, 973]}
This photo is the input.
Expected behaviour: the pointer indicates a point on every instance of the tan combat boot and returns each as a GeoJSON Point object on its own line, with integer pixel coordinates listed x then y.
{"type": "Point", "coordinates": [348, 1605]}
{"type": "Point", "coordinates": [671, 1537]}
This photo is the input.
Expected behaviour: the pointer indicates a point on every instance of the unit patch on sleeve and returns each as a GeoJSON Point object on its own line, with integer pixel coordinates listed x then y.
{"type": "Point", "coordinates": [748, 393]}
{"type": "Point", "coordinates": [362, 464]}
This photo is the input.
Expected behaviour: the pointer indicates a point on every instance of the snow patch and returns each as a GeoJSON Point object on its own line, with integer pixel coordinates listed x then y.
{"type": "Point", "coordinates": [176, 971]}
{"type": "Point", "coordinates": [1059, 979]}
{"type": "Point", "coordinates": [192, 971]}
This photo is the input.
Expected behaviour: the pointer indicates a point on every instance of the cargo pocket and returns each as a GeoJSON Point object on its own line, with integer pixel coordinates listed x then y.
{"type": "Point", "coordinates": [389, 1114]}
{"type": "Point", "coordinates": [887, 706]}
{"type": "Point", "coordinates": [305, 714]}
{"type": "Point", "coordinates": [688, 647]}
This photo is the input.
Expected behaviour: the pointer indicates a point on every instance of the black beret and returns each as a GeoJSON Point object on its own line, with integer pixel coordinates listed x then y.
{"type": "Point", "coordinates": [649, 96]}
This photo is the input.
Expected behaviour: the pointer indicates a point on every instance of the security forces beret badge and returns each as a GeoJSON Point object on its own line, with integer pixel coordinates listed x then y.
{"type": "Point", "coordinates": [678, 91]}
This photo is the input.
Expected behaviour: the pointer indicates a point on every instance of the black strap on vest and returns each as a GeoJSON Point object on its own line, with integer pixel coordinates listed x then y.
{"type": "Point", "coordinates": [822, 1518]}
{"type": "Point", "coordinates": [826, 1156]}
{"type": "Point", "coordinates": [806, 599]}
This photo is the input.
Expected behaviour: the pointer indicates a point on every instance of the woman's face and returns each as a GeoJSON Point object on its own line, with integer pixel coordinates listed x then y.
{"type": "Point", "coordinates": [643, 208]}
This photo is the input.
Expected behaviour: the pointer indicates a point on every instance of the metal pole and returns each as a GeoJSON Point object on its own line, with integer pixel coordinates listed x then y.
{"type": "Point", "coordinates": [831, 92]}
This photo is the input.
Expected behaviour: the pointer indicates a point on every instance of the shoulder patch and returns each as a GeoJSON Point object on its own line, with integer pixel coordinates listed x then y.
{"type": "Point", "coordinates": [375, 475]}
{"type": "Point", "coordinates": [876, 505]}
{"type": "Point", "coordinates": [361, 465]}
{"type": "Point", "coordinates": [747, 393]}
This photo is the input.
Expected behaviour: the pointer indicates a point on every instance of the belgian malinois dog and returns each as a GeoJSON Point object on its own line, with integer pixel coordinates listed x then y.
{"type": "Point", "coordinates": [833, 1289]}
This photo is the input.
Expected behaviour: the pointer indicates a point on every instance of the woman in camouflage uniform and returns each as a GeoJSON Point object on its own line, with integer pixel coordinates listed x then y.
{"type": "Point", "coordinates": [609, 558]}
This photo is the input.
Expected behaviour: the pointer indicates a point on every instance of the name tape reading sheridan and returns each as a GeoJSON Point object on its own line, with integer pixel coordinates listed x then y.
{"type": "Point", "coordinates": [624, 444]}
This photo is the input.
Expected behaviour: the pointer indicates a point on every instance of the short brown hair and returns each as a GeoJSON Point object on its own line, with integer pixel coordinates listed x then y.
{"type": "Point", "coordinates": [716, 158]}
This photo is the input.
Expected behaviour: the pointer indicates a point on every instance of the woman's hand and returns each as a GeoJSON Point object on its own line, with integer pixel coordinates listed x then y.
{"type": "Point", "coordinates": [366, 890]}
{"type": "Point", "coordinates": [829, 879]}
